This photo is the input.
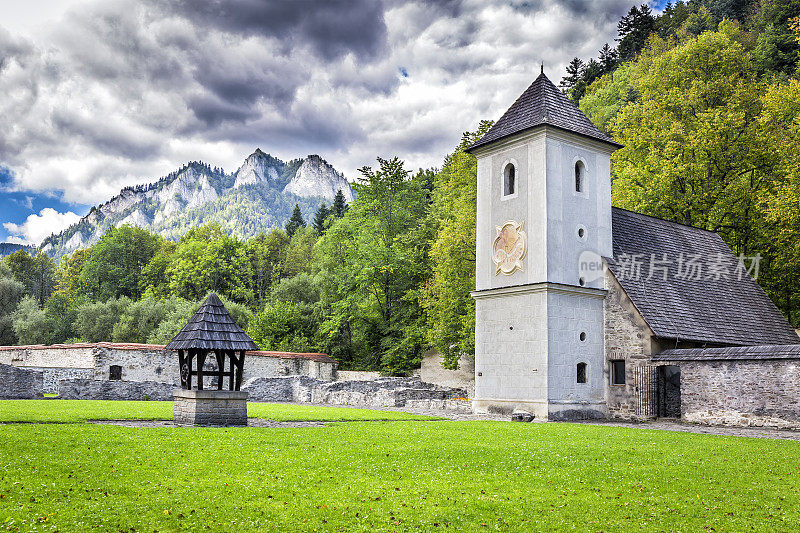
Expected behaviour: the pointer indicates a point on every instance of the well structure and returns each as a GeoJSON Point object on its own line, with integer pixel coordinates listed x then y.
{"type": "Point", "coordinates": [211, 348]}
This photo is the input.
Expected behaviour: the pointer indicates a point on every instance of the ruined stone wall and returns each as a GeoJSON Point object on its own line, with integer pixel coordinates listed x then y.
{"type": "Point", "coordinates": [147, 363]}
{"type": "Point", "coordinates": [266, 366]}
{"type": "Point", "coordinates": [742, 393]}
{"type": "Point", "coordinates": [19, 384]}
{"type": "Point", "coordinates": [53, 376]}
{"type": "Point", "coordinates": [356, 375]}
{"type": "Point", "coordinates": [381, 392]}
{"type": "Point", "coordinates": [93, 389]}
{"type": "Point", "coordinates": [432, 371]}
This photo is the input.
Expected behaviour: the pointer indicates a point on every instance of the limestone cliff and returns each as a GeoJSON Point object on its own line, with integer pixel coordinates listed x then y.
{"type": "Point", "coordinates": [259, 196]}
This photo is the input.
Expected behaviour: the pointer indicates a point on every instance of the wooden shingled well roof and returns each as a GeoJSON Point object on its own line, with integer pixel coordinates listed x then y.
{"type": "Point", "coordinates": [211, 328]}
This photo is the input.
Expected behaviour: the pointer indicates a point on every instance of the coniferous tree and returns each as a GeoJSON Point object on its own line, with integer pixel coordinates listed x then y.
{"type": "Point", "coordinates": [295, 222]}
{"type": "Point", "coordinates": [573, 77]}
{"type": "Point", "coordinates": [608, 58]}
{"type": "Point", "coordinates": [339, 206]}
{"type": "Point", "coordinates": [320, 218]}
{"type": "Point", "coordinates": [634, 29]}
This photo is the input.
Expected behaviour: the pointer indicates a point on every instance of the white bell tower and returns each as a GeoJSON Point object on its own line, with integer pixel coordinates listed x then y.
{"type": "Point", "coordinates": [544, 222]}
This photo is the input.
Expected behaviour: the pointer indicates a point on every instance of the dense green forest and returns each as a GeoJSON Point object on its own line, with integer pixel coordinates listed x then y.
{"type": "Point", "coordinates": [704, 97]}
{"type": "Point", "coordinates": [706, 100]}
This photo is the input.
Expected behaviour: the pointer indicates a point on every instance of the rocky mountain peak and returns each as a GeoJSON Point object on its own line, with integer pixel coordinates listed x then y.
{"type": "Point", "coordinates": [259, 167]}
{"type": "Point", "coordinates": [198, 193]}
{"type": "Point", "coordinates": [316, 177]}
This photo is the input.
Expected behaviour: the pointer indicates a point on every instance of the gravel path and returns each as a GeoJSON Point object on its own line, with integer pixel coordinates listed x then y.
{"type": "Point", "coordinates": [663, 425]}
{"type": "Point", "coordinates": [251, 422]}
{"type": "Point", "coordinates": [726, 431]}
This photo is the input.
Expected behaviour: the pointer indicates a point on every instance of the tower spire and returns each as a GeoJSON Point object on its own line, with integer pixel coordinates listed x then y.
{"type": "Point", "coordinates": [542, 67]}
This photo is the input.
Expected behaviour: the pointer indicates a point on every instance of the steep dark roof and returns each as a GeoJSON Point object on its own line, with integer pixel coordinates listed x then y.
{"type": "Point", "coordinates": [211, 328]}
{"type": "Point", "coordinates": [542, 104]}
{"type": "Point", "coordinates": [731, 353]}
{"type": "Point", "coordinates": [732, 311]}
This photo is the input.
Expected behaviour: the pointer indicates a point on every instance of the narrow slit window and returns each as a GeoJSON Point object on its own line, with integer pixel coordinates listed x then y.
{"type": "Point", "coordinates": [580, 174]}
{"type": "Point", "coordinates": [509, 180]}
{"type": "Point", "coordinates": [581, 371]}
{"type": "Point", "coordinates": [618, 372]}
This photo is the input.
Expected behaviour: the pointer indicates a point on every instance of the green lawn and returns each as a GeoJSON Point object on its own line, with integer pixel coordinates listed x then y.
{"type": "Point", "coordinates": [82, 410]}
{"type": "Point", "coordinates": [391, 476]}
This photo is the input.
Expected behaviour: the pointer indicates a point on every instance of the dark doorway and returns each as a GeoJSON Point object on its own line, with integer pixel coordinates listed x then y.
{"type": "Point", "coordinates": [669, 391]}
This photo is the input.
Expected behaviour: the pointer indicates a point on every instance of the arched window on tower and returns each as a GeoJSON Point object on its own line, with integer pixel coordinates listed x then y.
{"type": "Point", "coordinates": [509, 180]}
{"type": "Point", "coordinates": [580, 175]}
{"type": "Point", "coordinates": [581, 372]}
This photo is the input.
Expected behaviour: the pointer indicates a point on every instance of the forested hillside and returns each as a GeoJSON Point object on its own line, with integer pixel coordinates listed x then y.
{"type": "Point", "coordinates": [704, 98]}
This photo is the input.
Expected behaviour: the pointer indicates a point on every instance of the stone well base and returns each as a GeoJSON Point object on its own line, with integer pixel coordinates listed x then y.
{"type": "Point", "coordinates": [210, 408]}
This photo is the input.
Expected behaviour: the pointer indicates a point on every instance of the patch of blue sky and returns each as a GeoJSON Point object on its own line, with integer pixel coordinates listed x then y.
{"type": "Point", "coordinates": [18, 205]}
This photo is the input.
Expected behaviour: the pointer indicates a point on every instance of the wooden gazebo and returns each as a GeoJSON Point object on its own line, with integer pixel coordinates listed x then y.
{"type": "Point", "coordinates": [211, 330]}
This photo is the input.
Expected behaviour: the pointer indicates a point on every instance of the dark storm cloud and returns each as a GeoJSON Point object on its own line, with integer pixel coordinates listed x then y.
{"type": "Point", "coordinates": [603, 10]}
{"type": "Point", "coordinates": [116, 92]}
{"type": "Point", "coordinates": [332, 28]}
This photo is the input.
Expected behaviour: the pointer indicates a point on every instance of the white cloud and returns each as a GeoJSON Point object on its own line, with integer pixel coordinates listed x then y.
{"type": "Point", "coordinates": [16, 240]}
{"type": "Point", "coordinates": [113, 94]}
{"type": "Point", "coordinates": [38, 227]}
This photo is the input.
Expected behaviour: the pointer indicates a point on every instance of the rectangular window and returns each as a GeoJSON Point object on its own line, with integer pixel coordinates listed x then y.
{"type": "Point", "coordinates": [581, 372]}
{"type": "Point", "coordinates": [115, 372]}
{"type": "Point", "coordinates": [618, 372]}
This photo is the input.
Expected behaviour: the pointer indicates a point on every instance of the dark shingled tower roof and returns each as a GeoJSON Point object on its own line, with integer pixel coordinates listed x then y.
{"type": "Point", "coordinates": [542, 104]}
{"type": "Point", "coordinates": [721, 307]}
{"type": "Point", "coordinates": [211, 328]}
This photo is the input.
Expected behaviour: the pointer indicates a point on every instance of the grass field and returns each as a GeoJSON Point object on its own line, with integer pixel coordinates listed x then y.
{"type": "Point", "coordinates": [82, 410]}
{"type": "Point", "coordinates": [386, 475]}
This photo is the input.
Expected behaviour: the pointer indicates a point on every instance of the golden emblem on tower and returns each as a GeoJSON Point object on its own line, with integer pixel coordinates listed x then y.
{"type": "Point", "coordinates": [509, 247]}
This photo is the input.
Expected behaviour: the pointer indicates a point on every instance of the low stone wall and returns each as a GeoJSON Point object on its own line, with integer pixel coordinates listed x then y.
{"type": "Point", "coordinates": [741, 393]}
{"type": "Point", "coordinates": [52, 376]}
{"type": "Point", "coordinates": [432, 371]}
{"type": "Point", "coordinates": [356, 375]}
{"type": "Point", "coordinates": [148, 362]}
{"type": "Point", "coordinates": [93, 389]}
{"type": "Point", "coordinates": [19, 384]}
{"type": "Point", "coordinates": [381, 392]}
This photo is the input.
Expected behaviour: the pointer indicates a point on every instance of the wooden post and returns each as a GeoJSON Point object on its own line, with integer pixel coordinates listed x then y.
{"type": "Point", "coordinates": [181, 362]}
{"type": "Point", "coordinates": [220, 367]}
{"type": "Point", "coordinates": [239, 370]}
{"type": "Point", "coordinates": [201, 360]}
{"type": "Point", "coordinates": [232, 373]}
{"type": "Point", "coordinates": [189, 361]}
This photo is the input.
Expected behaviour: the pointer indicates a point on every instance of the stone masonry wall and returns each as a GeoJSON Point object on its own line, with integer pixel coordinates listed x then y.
{"type": "Point", "coordinates": [19, 384]}
{"type": "Point", "coordinates": [52, 376]}
{"type": "Point", "coordinates": [147, 363]}
{"type": "Point", "coordinates": [210, 408]}
{"type": "Point", "coordinates": [627, 337]}
{"type": "Point", "coordinates": [741, 393]}
{"type": "Point", "coordinates": [463, 377]}
{"type": "Point", "coordinates": [93, 389]}
{"type": "Point", "coordinates": [381, 392]}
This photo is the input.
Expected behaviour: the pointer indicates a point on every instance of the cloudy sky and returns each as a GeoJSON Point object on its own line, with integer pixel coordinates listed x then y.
{"type": "Point", "coordinates": [98, 95]}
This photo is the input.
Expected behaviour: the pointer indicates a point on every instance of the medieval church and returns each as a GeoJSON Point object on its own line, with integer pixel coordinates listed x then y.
{"type": "Point", "coordinates": [584, 310]}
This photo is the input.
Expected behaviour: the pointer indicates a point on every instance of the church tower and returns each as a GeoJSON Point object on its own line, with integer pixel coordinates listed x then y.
{"type": "Point", "coordinates": [543, 224]}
